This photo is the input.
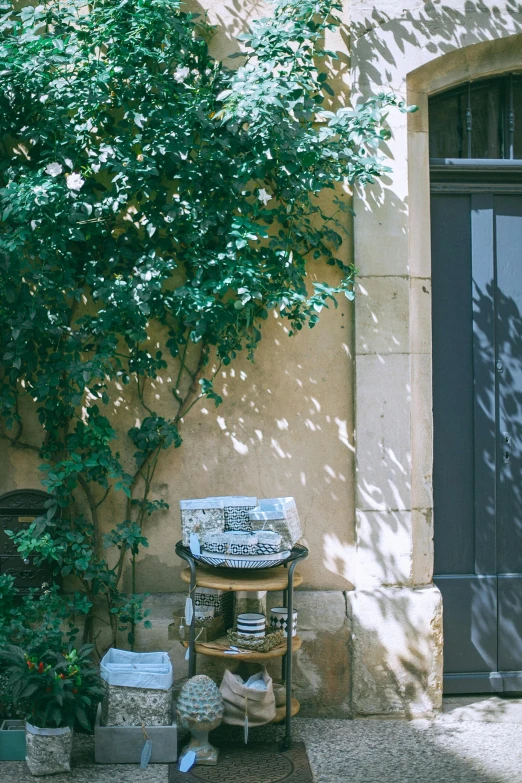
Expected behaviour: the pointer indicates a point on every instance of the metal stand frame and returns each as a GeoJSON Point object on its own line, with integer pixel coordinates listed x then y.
{"type": "Point", "coordinates": [298, 553]}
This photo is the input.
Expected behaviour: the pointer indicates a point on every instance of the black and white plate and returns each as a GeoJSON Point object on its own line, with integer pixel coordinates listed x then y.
{"type": "Point", "coordinates": [243, 561]}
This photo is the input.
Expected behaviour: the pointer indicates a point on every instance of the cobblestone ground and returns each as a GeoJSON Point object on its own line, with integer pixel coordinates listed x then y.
{"type": "Point", "coordinates": [472, 742]}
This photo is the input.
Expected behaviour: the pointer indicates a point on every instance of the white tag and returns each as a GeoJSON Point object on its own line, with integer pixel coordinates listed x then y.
{"type": "Point", "coordinates": [230, 652]}
{"type": "Point", "coordinates": [187, 654]}
{"type": "Point", "coordinates": [187, 761]}
{"type": "Point", "coordinates": [189, 611]}
{"type": "Point", "coordinates": [194, 545]}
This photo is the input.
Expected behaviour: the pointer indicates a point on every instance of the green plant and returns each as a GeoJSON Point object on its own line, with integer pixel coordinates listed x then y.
{"type": "Point", "coordinates": [156, 207]}
{"type": "Point", "coordinates": [54, 689]}
{"type": "Point", "coordinates": [38, 621]}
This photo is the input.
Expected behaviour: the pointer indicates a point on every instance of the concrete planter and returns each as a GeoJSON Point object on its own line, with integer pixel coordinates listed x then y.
{"type": "Point", "coordinates": [48, 750]}
{"type": "Point", "coordinates": [123, 706]}
{"type": "Point", "coordinates": [124, 744]}
{"type": "Point", "coordinates": [12, 740]}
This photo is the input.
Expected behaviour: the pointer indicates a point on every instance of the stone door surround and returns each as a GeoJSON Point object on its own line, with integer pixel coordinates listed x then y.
{"type": "Point", "coordinates": [397, 643]}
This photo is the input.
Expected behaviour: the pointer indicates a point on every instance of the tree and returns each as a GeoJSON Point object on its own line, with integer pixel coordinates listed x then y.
{"type": "Point", "coordinates": [146, 189]}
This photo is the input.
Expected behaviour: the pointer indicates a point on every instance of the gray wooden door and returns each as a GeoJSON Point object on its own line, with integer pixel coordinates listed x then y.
{"type": "Point", "coordinates": [477, 410]}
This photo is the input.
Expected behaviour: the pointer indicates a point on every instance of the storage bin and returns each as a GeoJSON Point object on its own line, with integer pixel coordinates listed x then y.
{"type": "Point", "coordinates": [279, 515]}
{"type": "Point", "coordinates": [201, 516]}
{"type": "Point", "coordinates": [138, 688]}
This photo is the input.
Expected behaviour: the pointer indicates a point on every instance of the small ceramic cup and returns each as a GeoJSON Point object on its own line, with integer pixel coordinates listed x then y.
{"type": "Point", "coordinates": [279, 620]}
{"type": "Point", "coordinates": [251, 624]}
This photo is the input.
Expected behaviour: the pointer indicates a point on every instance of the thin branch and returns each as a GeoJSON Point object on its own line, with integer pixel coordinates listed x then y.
{"type": "Point", "coordinates": [94, 513]}
{"type": "Point", "coordinates": [104, 496]}
{"type": "Point", "coordinates": [20, 443]}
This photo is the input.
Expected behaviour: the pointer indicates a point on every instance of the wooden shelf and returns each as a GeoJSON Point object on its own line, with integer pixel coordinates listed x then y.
{"type": "Point", "coordinates": [281, 711]}
{"type": "Point", "coordinates": [242, 579]}
{"type": "Point", "coordinates": [216, 649]}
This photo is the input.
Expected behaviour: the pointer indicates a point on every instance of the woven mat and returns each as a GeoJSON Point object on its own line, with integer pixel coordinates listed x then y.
{"type": "Point", "coordinates": [252, 763]}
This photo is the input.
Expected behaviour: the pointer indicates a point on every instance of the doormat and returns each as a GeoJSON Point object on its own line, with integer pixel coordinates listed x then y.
{"type": "Point", "coordinates": [256, 764]}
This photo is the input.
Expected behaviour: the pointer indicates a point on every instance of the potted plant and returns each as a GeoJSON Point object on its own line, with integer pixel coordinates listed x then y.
{"type": "Point", "coordinates": [55, 690]}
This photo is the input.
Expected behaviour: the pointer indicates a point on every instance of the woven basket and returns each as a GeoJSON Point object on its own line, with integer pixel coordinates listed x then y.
{"type": "Point", "coordinates": [265, 644]}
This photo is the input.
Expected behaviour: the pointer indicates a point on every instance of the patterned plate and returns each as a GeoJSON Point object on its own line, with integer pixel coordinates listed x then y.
{"type": "Point", "coordinates": [243, 561]}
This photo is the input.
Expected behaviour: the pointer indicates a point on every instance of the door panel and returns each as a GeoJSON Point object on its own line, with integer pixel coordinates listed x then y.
{"type": "Point", "coordinates": [477, 414]}
{"type": "Point", "coordinates": [484, 382]}
{"type": "Point", "coordinates": [470, 623]}
{"type": "Point", "coordinates": [509, 622]}
{"type": "Point", "coordinates": [453, 480]}
{"type": "Point", "coordinates": [508, 226]}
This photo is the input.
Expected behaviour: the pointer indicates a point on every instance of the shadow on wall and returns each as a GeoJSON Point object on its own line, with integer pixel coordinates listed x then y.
{"type": "Point", "coordinates": [438, 28]}
{"type": "Point", "coordinates": [230, 18]}
{"type": "Point", "coordinates": [284, 428]}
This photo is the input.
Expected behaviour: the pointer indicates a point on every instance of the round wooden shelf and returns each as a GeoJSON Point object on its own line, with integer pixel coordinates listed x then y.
{"type": "Point", "coordinates": [229, 579]}
{"type": "Point", "coordinates": [281, 711]}
{"type": "Point", "coordinates": [217, 649]}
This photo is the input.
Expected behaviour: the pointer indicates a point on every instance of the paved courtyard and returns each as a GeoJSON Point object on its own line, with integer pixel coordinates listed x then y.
{"type": "Point", "coordinates": [474, 740]}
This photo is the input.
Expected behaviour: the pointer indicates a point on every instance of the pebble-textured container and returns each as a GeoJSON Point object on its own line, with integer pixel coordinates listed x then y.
{"type": "Point", "coordinates": [250, 602]}
{"type": "Point", "coordinates": [201, 516]}
{"type": "Point", "coordinates": [123, 706]}
{"type": "Point", "coordinates": [200, 704]}
{"type": "Point", "coordinates": [280, 515]}
{"type": "Point", "coordinates": [50, 753]}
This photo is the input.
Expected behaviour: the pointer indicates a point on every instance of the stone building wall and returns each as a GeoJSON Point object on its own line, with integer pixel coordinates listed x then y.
{"type": "Point", "coordinates": [369, 613]}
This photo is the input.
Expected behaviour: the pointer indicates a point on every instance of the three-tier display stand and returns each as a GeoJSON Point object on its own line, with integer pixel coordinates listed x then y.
{"type": "Point", "coordinates": [283, 578]}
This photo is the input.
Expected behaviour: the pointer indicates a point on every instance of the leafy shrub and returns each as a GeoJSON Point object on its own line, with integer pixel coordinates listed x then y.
{"type": "Point", "coordinates": [156, 206]}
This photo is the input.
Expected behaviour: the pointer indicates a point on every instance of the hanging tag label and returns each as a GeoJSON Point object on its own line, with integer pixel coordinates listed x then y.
{"type": "Point", "coordinates": [189, 611]}
{"type": "Point", "coordinates": [146, 753]}
{"type": "Point", "coordinates": [195, 548]}
{"type": "Point", "coordinates": [187, 654]}
{"type": "Point", "coordinates": [245, 728]}
{"type": "Point", "coordinates": [187, 761]}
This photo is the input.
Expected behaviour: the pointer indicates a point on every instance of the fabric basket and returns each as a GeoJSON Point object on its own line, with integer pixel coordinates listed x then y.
{"type": "Point", "coordinates": [279, 515]}
{"type": "Point", "coordinates": [247, 705]}
{"type": "Point", "coordinates": [137, 670]}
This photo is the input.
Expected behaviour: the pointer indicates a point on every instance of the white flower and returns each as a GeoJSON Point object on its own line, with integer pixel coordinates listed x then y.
{"type": "Point", "coordinates": [180, 74]}
{"type": "Point", "coordinates": [264, 196]}
{"type": "Point", "coordinates": [53, 169]}
{"type": "Point", "coordinates": [75, 181]}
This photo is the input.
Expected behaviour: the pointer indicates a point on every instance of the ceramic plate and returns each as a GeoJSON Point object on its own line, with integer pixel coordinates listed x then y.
{"type": "Point", "coordinates": [243, 561]}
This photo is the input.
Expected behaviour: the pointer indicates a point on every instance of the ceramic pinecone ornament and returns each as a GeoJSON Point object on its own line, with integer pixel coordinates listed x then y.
{"type": "Point", "coordinates": [200, 709]}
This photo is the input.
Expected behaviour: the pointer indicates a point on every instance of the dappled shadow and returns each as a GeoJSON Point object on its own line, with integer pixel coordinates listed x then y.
{"type": "Point", "coordinates": [381, 41]}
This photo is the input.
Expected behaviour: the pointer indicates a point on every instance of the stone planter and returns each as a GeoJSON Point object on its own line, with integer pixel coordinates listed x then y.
{"type": "Point", "coordinates": [48, 750]}
{"type": "Point", "coordinates": [124, 744]}
{"type": "Point", "coordinates": [12, 740]}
